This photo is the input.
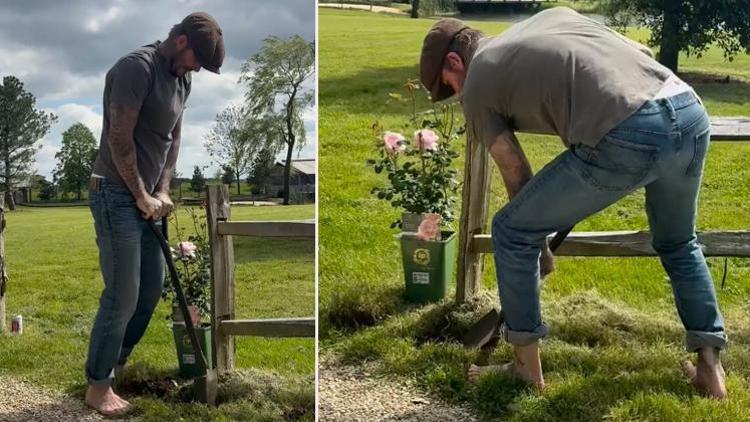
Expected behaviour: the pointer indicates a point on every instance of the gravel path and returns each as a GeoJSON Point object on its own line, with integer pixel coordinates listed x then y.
{"type": "Point", "coordinates": [348, 393]}
{"type": "Point", "coordinates": [21, 401]}
{"type": "Point", "coordinates": [377, 9]}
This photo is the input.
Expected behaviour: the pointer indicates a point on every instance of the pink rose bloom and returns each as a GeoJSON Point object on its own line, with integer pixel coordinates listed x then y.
{"type": "Point", "coordinates": [187, 249]}
{"type": "Point", "coordinates": [429, 228]}
{"type": "Point", "coordinates": [394, 143]}
{"type": "Point", "coordinates": [426, 140]}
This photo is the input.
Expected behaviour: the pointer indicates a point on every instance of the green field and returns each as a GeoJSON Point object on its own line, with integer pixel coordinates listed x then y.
{"type": "Point", "coordinates": [55, 284]}
{"type": "Point", "coordinates": [616, 341]}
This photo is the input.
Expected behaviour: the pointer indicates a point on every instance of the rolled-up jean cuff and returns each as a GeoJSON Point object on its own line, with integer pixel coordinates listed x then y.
{"type": "Point", "coordinates": [523, 338]}
{"type": "Point", "coordinates": [695, 340]}
{"type": "Point", "coordinates": [107, 380]}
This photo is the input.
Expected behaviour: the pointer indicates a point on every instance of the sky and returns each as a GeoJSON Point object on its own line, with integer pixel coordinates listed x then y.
{"type": "Point", "coordinates": [62, 50]}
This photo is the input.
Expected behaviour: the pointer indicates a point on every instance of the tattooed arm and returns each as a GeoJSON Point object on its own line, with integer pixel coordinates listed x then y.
{"type": "Point", "coordinates": [516, 172]}
{"type": "Point", "coordinates": [122, 146]}
{"type": "Point", "coordinates": [162, 188]}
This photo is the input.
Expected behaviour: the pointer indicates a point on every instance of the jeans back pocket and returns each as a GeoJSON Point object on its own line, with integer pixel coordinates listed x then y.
{"type": "Point", "coordinates": [615, 164]}
{"type": "Point", "coordinates": [702, 139]}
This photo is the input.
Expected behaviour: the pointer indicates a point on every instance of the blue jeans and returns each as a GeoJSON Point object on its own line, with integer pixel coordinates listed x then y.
{"type": "Point", "coordinates": [133, 270]}
{"type": "Point", "coordinates": [661, 147]}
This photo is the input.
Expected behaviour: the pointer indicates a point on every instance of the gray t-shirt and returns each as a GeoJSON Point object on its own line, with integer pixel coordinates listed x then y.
{"type": "Point", "coordinates": [142, 80]}
{"type": "Point", "coordinates": [557, 73]}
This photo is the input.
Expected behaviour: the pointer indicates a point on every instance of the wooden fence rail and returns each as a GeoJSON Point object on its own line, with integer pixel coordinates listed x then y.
{"type": "Point", "coordinates": [632, 243]}
{"type": "Point", "coordinates": [473, 242]}
{"type": "Point", "coordinates": [224, 325]}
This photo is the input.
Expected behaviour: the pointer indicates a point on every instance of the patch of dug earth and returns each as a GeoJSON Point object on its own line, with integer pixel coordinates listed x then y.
{"type": "Point", "coordinates": [22, 401]}
{"type": "Point", "coordinates": [354, 393]}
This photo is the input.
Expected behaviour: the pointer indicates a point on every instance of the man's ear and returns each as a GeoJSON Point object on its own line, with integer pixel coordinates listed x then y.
{"type": "Point", "coordinates": [181, 41]}
{"type": "Point", "coordinates": [454, 61]}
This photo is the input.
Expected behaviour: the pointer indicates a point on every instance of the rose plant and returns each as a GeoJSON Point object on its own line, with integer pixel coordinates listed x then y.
{"type": "Point", "coordinates": [193, 263]}
{"type": "Point", "coordinates": [420, 171]}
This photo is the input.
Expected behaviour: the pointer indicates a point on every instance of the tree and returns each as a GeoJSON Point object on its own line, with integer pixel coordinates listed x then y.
{"type": "Point", "coordinates": [262, 167]}
{"type": "Point", "coordinates": [686, 25]}
{"type": "Point", "coordinates": [47, 189]}
{"type": "Point", "coordinates": [275, 77]}
{"type": "Point", "coordinates": [75, 159]}
{"type": "Point", "coordinates": [227, 176]}
{"type": "Point", "coordinates": [176, 182]}
{"type": "Point", "coordinates": [414, 9]}
{"type": "Point", "coordinates": [198, 182]}
{"type": "Point", "coordinates": [21, 127]}
{"type": "Point", "coordinates": [230, 142]}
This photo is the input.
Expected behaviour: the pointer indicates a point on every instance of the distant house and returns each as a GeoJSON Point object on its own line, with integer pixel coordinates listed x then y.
{"type": "Point", "coordinates": [301, 179]}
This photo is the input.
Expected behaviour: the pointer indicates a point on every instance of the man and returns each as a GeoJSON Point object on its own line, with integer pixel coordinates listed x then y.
{"type": "Point", "coordinates": [627, 123]}
{"type": "Point", "coordinates": [144, 97]}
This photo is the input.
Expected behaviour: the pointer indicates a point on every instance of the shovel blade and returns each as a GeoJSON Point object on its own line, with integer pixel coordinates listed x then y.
{"type": "Point", "coordinates": [483, 330]}
{"type": "Point", "coordinates": [206, 387]}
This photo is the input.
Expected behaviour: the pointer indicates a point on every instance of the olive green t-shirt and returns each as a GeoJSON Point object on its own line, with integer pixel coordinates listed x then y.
{"type": "Point", "coordinates": [142, 80]}
{"type": "Point", "coordinates": [557, 73]}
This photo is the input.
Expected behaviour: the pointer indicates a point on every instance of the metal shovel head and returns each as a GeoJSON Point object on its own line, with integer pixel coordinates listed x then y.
{"type": "Point", "coordinates": [488, 326]}
{"type": "Point", "coordinates": [483, 330]}
{"type": "Point", "coordinates": [206, 387]}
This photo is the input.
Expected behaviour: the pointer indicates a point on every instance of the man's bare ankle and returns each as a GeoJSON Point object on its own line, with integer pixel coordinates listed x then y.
{"type": "Point", "coordinates": [709, 358]}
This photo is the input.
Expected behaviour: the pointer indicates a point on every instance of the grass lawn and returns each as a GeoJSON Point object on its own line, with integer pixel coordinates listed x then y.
{"type": "Point", "coordinates": [616, 341]}
{"type": "Point", "coordinates": [55, 284]}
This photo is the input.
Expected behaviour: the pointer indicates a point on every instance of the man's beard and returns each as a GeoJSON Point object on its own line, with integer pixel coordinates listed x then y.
{"type": "Point", "coordinates": [173, 68]}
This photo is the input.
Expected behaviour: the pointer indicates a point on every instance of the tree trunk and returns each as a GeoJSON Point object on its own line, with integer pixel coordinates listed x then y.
{"type": "Point", "coordinates": [239, 183]}
{"type": "Point", "coordinates": [288, 171]}
{"type": "Point", "coordinates": [414, 9]}
{"type": "Point", "coordinates": [669, 49]}
{"type": "Point", "coordinates": [3, 272]}
{"type": "Point", "coordinates": [10, 200]}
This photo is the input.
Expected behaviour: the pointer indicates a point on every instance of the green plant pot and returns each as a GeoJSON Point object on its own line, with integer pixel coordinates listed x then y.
{"type": "Point", "coordinates": [428, 266]}
{"type": "Point", "coordinates": [190, 364]}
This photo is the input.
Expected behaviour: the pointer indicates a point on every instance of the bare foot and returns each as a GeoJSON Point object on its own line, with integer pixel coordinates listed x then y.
{"type": "Point", "coordinates": [102, 399]}
{"type": "Point", "coordinates": [475, 372]}
{"type": "Point", "coordinates": [708, 377]}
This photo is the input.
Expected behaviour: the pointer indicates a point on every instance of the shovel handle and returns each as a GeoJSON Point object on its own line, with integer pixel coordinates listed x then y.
{"type": "Point", "coordinates": [559, 238]}
{"type": "Point", "coordinates": [182, 302]}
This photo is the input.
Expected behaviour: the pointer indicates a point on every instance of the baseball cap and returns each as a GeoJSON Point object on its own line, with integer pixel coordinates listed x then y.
{"type": "Point", "coordinates": [434, 49]}
{"type": "Point", "coordinates": [206, 39]}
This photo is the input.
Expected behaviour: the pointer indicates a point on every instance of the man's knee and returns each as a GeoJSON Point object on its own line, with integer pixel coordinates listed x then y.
{"type": "Point", "coordinates": [121, 305]}
{"type": "Point", "coordinates": [506, 236]}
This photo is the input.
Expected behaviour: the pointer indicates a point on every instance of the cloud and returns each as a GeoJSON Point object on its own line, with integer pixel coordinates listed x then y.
{"type": "Point", "coordinates": [97, 21]}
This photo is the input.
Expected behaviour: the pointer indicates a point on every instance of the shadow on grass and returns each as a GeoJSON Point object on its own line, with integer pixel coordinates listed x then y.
{"type": "Point", "coordinates": [734, 92]}
{"type": "Point", "coordinates": [599, 354]}
{"type": "Point", "coordinates": [260, 249]}
{"type": "Point", "coordinates": [366, 91]}
{"type": "Point", "coordinates": [246, 394]}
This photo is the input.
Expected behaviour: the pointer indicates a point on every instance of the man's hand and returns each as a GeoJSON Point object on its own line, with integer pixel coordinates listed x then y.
{"type": "Point", "coordinates": [166, 201]}
{"type": "Point", "coordinates": [546, 261]}
{"type": "Point", "coordinates": [150, 207]}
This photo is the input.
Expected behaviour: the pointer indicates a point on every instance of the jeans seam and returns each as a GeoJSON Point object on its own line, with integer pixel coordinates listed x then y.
{"type": "Point", "coordinates": [106, 327]}
{"type": "Point", "coordinates": [694, 161]}
{"type": "Point", "coordinates": [506, 212]}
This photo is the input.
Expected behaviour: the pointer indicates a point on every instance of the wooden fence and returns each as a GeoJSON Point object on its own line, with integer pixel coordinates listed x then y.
{"type": "Point", "coordinates": [224, 325]}
{"type": "Point", "coordinates": [473, 242]}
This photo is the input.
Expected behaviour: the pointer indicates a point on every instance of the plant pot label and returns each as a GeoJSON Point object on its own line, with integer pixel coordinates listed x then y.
{"type": "Point", "coordinates": [188, 359]}
{"type": "Point", "coordinates": [421, 256]}
{"type": "Point", "coordinates": [420, 278]}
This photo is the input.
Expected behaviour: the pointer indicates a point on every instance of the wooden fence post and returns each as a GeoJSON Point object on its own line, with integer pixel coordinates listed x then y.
{"type": "Point", "coordinates": [474, 204]}
{"type": "Point", "coordinates": [3, 272]}
{"type": "Point", "coordinates": [222, 277]}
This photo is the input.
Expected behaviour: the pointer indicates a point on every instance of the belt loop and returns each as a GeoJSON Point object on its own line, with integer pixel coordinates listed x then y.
{"type": "Point", "coordinates": [670, 107]}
